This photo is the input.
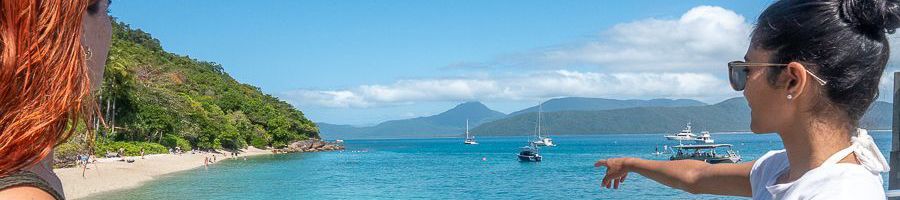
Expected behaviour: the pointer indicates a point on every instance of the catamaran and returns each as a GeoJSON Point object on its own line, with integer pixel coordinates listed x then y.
{"type": "Point", "coordinates": [703, 149]}
{"type": "Point", "coordinates": [541, 140]}
{"type": "Point", "coordinates": [469, 140]}
{"type": "Point", "coordinates": [706, 153]}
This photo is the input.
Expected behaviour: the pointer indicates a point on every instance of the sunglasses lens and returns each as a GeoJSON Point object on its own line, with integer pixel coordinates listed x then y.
{"type": "Point", "coordinates": [737, 75]}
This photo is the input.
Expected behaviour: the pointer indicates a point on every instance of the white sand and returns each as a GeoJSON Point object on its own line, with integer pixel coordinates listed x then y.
{"type": "Point", "coordinates": [111, 174]}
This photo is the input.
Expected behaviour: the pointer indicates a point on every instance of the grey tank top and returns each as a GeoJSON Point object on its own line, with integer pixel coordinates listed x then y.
{"type": "Point", "coordinates": [27, 178]}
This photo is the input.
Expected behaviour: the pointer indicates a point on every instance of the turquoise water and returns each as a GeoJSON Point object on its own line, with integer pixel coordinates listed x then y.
{"type": "Point", "coordinates": [439, 169]}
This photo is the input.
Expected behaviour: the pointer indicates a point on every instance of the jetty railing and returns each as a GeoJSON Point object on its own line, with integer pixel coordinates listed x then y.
{"type": "Point", "coordinates": [894, 176]}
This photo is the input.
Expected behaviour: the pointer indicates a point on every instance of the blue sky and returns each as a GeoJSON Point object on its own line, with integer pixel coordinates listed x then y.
{"type": "Point", "coordinates": [363, 62]}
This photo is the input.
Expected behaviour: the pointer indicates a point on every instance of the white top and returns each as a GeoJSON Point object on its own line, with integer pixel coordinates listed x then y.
{"type": "Point", "coordinates": [831, 180]}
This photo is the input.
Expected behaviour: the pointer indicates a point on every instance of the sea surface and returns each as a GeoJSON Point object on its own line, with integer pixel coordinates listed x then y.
{"type": "Point", "coordinates": [442, 169]}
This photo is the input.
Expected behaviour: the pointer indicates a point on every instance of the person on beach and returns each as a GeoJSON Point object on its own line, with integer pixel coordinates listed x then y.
{"type": "Point", "coordinates": [810, 73]}
{"type": "Point", "coordinates": [52, 56]}
{"type": "Point", "coordinates": [84, 161]}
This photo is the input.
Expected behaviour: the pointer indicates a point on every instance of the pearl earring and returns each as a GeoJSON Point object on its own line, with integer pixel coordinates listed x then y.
{"type": "Point", "coordinates": [790, 97]}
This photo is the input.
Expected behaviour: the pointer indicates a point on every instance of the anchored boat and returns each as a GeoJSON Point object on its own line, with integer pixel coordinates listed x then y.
{"type": "Point", "coordinates": [709, 153]}
{"type": "Point", "coordinates": [542, 140]}
{"type": "Point", "coordinates": [685, 134]}
{"type": "Point", "coordinates": [469, 140]}
{"type": "Point", "coordinates": [704, 138]}
{"type": "Point", "coordinates": [530, 153]}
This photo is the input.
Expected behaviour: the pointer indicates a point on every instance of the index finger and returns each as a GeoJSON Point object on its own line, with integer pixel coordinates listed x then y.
{"type": "Point", "coordinates": [600, 163]}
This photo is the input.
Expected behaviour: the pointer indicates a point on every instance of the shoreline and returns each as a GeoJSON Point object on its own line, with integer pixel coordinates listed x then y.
{"type": "Point", "coordinates": [109, 174]}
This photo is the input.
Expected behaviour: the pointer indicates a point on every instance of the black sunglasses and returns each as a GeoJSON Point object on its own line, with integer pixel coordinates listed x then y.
{"type": "Point", "coordinates": [737, 73]}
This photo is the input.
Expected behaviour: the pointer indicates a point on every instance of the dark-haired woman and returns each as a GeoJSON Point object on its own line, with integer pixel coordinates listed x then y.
{"type": "Point", "coordinates": [52, 55]}
{"type": "Point", "coordinates": [811, 72]}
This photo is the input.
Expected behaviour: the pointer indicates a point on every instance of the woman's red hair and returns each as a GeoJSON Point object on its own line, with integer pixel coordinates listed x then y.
{"type": "Point", "coordinates": [44, 86]}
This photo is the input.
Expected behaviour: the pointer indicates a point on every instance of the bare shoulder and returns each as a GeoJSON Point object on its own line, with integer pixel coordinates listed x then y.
{"type": "Point", "coordinates": [25, 192]}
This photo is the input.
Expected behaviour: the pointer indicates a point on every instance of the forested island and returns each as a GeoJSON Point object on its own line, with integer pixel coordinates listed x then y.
{"type": "Point", "coordinates": [155, 100]}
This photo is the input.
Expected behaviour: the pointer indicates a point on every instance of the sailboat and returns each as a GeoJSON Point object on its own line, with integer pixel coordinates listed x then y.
{"type": "Point", "coordinates": [541, 140]}
{"type": "Point", "coordinates": [469, 140]}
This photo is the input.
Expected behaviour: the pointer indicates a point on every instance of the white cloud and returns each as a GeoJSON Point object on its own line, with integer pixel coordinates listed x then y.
{"type": "Point", "coordinates": [535, 85]}
{"type": "Point", "coordinates": [328, 98]}
{"type": "Point", "coordinates": [651, 58]}
{"type": "Point", "coordinates": [701, 40]}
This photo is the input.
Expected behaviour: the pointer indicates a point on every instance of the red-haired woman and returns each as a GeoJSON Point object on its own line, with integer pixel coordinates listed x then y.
{"type": "Point", "coordinates": [51, 56]}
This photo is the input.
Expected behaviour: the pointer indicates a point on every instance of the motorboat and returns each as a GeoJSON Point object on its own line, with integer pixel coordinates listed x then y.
{"type": "Point", "coordinates": [530, 153]}
{"type": "Point", "coordinates": [685, 134]}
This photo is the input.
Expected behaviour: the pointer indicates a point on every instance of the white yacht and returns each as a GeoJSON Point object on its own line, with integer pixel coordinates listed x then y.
{"type": "Point", "coordinates": [469, 139]}
{"type": "Point", "coordinates": [704, 138]}
{"type": "Point", "coordinates": [685, 134]}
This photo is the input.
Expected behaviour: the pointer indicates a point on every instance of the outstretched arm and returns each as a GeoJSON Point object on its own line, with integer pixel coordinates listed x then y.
{"type": "Point", "coordinates": [696, 177]}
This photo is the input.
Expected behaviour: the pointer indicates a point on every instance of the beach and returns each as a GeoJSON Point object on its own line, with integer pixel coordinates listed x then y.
{"type": "Point", "coordinates": [108, 174]}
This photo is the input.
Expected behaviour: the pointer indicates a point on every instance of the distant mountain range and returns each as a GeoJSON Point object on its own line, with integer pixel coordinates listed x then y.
{"type": "Point", "coordinates": [590, 104]}
{"type": "Point", "coordinates": [729, 115]}
{"type": "Point", "coordinates": [579, 116]}
{"type": "Point", "coordinates": [450, 123]}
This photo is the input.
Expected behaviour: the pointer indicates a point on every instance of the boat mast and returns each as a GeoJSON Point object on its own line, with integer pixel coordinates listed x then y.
{"type": "Point", "coordinates": [548, 129]}
{"type": "Point", "coordinates": [467, 129]}
{"type": "Point", "coordinates": [540, 109]}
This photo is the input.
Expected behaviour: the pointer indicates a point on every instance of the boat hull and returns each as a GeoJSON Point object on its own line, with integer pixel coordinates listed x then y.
{"type": "Point", "coordinates": [523, 158]}
{"type": "Point", "coordinates": [470, 141]}
{"type": "Point", "coordinates": [546, 142]}
{"type": "Point", "coordinates": [709, 160]}
{"type": "Point", "coordinates": [672, 137]}
{"type": "Point", "coordinates": [543, 144]}
{"type": "Point", "coordinates": [724, 160]}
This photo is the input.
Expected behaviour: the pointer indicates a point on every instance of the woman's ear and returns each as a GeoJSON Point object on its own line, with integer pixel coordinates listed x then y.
{"type": "Point", "coordinates": [796, 79]}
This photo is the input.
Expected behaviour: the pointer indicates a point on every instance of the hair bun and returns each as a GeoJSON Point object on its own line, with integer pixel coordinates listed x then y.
{"type": "Point", "coordinates": [871, 15]}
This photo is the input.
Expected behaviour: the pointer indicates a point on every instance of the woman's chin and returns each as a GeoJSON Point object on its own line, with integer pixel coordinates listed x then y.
{"type": "Point", "coordinates": [755, 128]}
